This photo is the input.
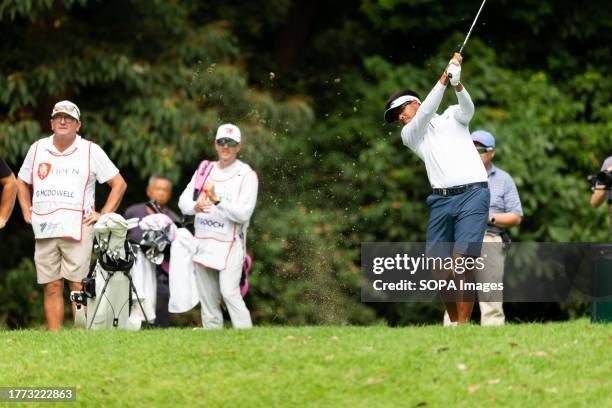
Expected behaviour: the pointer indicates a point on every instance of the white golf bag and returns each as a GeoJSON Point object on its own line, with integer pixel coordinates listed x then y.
{"type": "Point", "coordinates": [108, 291]}
{"type": "Point", "coordinates": [158, 233]}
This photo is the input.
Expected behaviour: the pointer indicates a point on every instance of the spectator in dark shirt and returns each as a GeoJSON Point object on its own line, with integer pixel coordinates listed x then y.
{"type": "Point", "coordinates": [159, 192]}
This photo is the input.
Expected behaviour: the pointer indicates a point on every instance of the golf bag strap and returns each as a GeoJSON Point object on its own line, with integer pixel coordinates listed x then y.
{"type": "Point", "coordinates": [202, 174]}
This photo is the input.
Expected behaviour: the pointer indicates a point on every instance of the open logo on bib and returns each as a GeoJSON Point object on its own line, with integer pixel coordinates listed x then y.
{"type": "Point", "coordinates": [43, 170]}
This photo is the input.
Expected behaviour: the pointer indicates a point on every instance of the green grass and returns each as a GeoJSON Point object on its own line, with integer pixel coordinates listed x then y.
{"type": "Point", "coordinates": [561, 364]}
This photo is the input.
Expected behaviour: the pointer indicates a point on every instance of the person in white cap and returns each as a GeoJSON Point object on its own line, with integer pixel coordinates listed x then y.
{"type": "Point", "coordinates": [56, 191]}
{"type": "Point", "coordinates": [459, 202]}
{"type": "Point", "coordinates": [222, 209]}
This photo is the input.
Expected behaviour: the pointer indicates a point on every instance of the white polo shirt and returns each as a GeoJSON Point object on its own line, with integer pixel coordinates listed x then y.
{"type": "Point", "coordinates": [102, 169]}
{"type": "Point", "coordinates": [443, 142]}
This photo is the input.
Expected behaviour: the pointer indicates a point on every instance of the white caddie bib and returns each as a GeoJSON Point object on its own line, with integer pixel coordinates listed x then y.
{"type": "Point", "coordinates": [59, 181]}
{"type": "Point", "coordinates": [214, 232]}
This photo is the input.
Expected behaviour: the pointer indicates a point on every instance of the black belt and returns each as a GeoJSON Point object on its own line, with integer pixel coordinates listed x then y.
{"type": "Point", "coordinates": [460, 189]}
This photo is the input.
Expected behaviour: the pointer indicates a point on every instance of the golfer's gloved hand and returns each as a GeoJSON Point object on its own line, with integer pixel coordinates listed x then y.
{"type": "Point", "coordinates": [453, 71]}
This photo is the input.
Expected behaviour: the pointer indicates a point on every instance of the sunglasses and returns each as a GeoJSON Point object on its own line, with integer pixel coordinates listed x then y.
{"type": "Point", "coordinates": [484, 149]}
{"type": "Point", "coordinates": [68, 119]}
{"type": "Point", "coordinates": [225, 141]}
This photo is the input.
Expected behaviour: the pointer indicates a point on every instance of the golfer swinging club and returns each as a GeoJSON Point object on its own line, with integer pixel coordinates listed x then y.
{"type": "Point", "coordinates": [459, 203]}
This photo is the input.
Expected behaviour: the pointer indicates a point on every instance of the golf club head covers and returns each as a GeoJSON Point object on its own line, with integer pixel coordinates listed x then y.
{"type": "Point", "coordinates": [158, 232]}
{"type": "Point", "coordinates": [110, 232]}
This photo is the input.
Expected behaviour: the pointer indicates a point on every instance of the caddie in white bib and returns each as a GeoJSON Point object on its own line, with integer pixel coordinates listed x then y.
{"type": "Point", "coordinates": [58, 183]}
{"type": "Point", "coordinates": [215, 232]}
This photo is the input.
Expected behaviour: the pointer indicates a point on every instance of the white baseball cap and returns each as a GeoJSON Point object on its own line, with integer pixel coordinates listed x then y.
{"type": "Point", "coordinates": [228, 131]}
{"type": "Point", "coordinates": [68, 108]}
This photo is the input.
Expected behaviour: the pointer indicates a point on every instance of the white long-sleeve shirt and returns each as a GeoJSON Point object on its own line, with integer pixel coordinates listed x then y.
{"type": "Point", "coordinates": [443, 142]}
{"type": "Point", "coordinates": [238, 211]}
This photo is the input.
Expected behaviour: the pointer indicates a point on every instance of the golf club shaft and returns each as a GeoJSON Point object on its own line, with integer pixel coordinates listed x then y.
{"type": "Point", "coordinates": [472, 27]}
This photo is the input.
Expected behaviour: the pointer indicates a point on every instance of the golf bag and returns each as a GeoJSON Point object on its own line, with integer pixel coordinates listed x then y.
{"type": "Point", "coordinates": [108, 290]}
{"type": "Point", "coordinates": [152, 254]}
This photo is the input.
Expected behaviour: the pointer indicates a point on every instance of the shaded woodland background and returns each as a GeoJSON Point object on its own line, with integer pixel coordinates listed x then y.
{"type": "Point", "coordinates": [306, 81]}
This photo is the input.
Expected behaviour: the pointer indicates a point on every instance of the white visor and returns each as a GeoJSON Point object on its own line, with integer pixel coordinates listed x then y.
{"type": "Point", "coordinates": [399, 102]}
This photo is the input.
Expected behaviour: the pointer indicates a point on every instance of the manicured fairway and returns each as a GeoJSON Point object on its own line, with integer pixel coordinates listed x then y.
{"type": "Point", "coordinates": [561, 364]}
